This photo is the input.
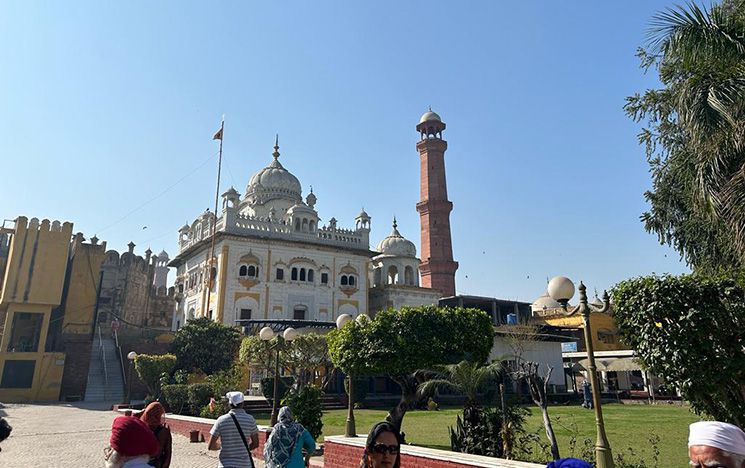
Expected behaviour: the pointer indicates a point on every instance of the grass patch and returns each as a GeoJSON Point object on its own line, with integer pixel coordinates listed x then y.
{"type": "Point", "coordinates": [627, 426]}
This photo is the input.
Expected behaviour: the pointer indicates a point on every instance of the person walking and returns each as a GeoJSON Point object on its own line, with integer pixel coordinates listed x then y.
{"type": "Point", "coordinates": [231, 434]}
{"type": "Point", "coordinates": [382, 448]}
{"type": "Point", "coordinates": [131, 444]}
{"type": "Point", "coordinates": [284, 448]}
{"type": "Point", "coordinates": [153, 416]}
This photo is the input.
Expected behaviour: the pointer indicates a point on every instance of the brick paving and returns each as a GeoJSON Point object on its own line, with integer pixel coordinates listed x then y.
{"type": "Point", "coordinates": [65, 435]}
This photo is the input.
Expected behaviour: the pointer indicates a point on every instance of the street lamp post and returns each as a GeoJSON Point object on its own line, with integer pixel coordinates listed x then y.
{"type": "Point", "coordinates": [561, 289]}
{"type": "Point", "coordinates": [131, 356]}
{"type": "Point", "coordinates": [267, 334]}
{"type": "Point", "coordinates": [350, 429]}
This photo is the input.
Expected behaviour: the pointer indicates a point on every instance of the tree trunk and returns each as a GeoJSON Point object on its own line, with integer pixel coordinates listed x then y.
{"type": "Point", "coordinates": [550, 434]}
{"type": "Point", "coordinates": [409, 399]}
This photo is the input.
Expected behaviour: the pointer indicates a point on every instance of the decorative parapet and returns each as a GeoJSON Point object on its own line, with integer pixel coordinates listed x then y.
{"type": "Point", "coordinates": [242, 225]}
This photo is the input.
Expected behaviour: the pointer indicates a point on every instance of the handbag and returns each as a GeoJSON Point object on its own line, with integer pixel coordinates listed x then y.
{"type": "Point", "coordinates": [243, 438]}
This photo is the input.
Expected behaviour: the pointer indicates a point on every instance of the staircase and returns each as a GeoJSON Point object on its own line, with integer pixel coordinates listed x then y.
{"type": "Point", "coordinates": [104, 375]}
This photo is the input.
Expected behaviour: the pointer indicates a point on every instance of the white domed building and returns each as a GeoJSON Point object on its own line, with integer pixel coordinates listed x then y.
{"type": "Point", "coordinates": [273, 260]}
{"type": "Point", "coordinates": [394, 275]}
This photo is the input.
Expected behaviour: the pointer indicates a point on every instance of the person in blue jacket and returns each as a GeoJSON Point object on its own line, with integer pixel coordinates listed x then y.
{"type": "Point", "coordinates": [284, 448]}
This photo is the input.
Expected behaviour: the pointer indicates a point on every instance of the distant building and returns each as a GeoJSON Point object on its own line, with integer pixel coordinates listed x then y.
{"type": "Point", "coordinates": [47, 306]}
{"type": "Point", "coordinates": [498, 309]}
{"type": "Point", "coordinates": [134, 289]}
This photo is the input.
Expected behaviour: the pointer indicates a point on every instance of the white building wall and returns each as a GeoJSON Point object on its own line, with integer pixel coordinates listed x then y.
{"type": "Point", "coordinates": [543, 352]}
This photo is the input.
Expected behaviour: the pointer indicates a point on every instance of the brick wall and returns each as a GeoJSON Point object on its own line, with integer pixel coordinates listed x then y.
{"type": "Point", "coordinates": [343, 452]}
{"type": "Point", "coordinates": [77, 361]}
{"type": "Point", "coordinates": [185, 424]}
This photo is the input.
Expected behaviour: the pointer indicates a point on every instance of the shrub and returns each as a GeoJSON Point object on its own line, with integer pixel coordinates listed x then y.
{"type": "Point", "coordinates": [267, 387]}
{"type": "Point", "coordinates": [199, 395]}
{"type": "Point", "coordinates": [307, 408]}
{"type": "Point", "coordinates": [221, 407]}
{"type": "Point", "coordinates": [207, 345]}
{"type": "Point", "coordinates": [481, 432]}
{"type": "Point", "coordinates": [150, 368]}
{"type": "Point", "coordinates": [361, 386]}
{"type": "Point", "coordinates": [176, 397]}
{"type": "Point", "coordinates": [227, 380]}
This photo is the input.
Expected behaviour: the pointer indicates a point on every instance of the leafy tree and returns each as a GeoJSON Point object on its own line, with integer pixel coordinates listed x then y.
{"type": "Point", "coordinates": [397, 343]}
{"type": "Point", "coordinates": [257, 353]}
{"type": "Point", "coordinates": [307, 408]}
{"type": "Point", "coordinates": [150, 367]}
{"type": "Point", "coordinates": [465, 377]}
{"type": "Point", "coordinates": [207, 345]}
{"type": "Point", "coordinates": [694, 132]}
{"type": "Point", "coordinates": [306, 354]}
{"type": "Point", "coordinates": [689, 330]}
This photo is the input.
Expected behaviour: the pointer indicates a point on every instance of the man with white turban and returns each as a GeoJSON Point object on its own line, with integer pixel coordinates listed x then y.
{"type": "Point", "coordinates": [714, 444]}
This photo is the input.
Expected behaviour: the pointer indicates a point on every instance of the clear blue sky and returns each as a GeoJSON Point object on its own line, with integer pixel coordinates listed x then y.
{"type": "Point", "coordinates": [104, 106]}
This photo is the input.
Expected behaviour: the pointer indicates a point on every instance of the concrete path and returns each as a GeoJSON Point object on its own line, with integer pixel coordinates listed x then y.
{"type": "Point", "coordinates": [75, 435]}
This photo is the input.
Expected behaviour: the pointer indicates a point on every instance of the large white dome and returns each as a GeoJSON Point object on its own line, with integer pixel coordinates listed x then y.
{"type": "Point", "coordinates": [545, 302]}
{"type": "Point", "coordinates": [272, 182]}
{"type": "Point", "coordinates": [396, 244]}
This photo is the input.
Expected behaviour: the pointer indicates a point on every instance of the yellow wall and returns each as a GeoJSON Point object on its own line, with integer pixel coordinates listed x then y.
{"type": "Point", "coordinates": [80, 304]}
{"type": "Point", "coordinates": [597, 322]}
{"type": "Point", "coordinates": [33, 282]}
{"type": "Point", "coordinates": [36, 262]}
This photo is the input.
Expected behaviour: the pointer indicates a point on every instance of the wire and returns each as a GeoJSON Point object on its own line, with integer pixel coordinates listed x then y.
{"type": "Point", "coordinates": [163, 192]}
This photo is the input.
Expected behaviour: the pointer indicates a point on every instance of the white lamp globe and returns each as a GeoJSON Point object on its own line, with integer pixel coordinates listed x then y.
{"type": "Point", "coordinates": [266, 334]}
{"type": "Point", "coordinates": [290, 334]}
{"type": "Point", "coordinates": [131, 356]}
{"type": "Point", "coordinates": [362, 318]}
{"type": "Point", "coordinates": [342, 320]}
{"type": "Point", "coordinates": [561, 289]}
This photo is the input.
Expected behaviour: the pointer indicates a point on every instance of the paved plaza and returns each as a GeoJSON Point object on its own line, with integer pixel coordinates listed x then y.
{"type": "Point", "coordinates": [65, 435]}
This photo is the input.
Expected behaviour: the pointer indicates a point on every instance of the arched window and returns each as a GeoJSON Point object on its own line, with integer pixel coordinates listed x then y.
{"type": "Point", "coordinates": [243, 270]}
{"type": "Point", "coordinates": [310, 275]}
{"type": "Point", "coordinates": [312, 226]}
{"type": "Point", "coordinates": [344, 280]}
{"type": "Point", "coordinates": [351, 280]}
{"type": "Point", "coordinates": [293, 274]}
{"type": "Point", "coordinates": [409, 276]}
{"type": "Point", "coordinates": [251, 271]}
{"type": "Point", "coordinates": [297, 224]}
{"type": "Point", "coordinates": [305, 225]}
{"type": "Point", "coordinates": [302, 274]}
{"type": "Point", "coordinates": [392, 275]}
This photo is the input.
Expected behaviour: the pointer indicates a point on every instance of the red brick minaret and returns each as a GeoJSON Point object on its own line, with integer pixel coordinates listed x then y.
{"type": "Point", "coordinates": [437, 267]}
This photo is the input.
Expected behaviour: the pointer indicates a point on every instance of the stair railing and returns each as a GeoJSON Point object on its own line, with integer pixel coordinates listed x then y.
{"type": "Point", "coordinates": [121, 360]}
{"type": "Point", "coordinates": [103, 365]}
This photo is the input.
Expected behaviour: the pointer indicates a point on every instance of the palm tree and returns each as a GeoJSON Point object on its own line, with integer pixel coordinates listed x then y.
{"type": "Point", "coordinates": [464, 377]}
{"type": "Point", "coordinates": [700, 115]}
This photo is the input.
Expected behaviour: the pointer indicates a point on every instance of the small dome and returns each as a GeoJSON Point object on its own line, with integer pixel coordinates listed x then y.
{"type": "Point", "coordinates": [363, 214]}
{"type": "Point", "coordinates": [430, 116]}
{"type": "Point", "coordinates": [396, 245]}
{"type": "Point", "coordinates": [163, 255]}
{"type": "Point", "coordinates": [545, 302]}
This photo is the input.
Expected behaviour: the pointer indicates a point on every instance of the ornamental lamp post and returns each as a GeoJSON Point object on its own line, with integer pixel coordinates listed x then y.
{"type": "Point", "coordinates": [131, 356]}
{"type": "Point", "coordinates": [267, 334]}
{"type": "Point", "coordinates": [561, 289]}
{"type": "Point", "coordinates": [350, 429]}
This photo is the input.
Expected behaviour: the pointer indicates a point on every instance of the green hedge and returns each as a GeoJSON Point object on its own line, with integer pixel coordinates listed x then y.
{"type": "Point", "coordinates": [199, 395]}
{"type": "Point", "coordinates": [176, 397]}
{"type": "Point", "coordinates": [267, 387]}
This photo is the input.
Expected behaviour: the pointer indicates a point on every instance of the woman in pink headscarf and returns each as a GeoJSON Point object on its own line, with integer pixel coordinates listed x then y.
{"type": "Point", "coordinates": [153, 416]}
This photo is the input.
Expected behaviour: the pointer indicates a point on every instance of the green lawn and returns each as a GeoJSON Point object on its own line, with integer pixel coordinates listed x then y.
{"type": "Point", "coordinates": [628, 426]}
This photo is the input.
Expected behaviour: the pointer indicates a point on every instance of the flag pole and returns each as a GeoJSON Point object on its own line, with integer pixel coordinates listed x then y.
{"type": "Point", "coordinates": [211, 259]}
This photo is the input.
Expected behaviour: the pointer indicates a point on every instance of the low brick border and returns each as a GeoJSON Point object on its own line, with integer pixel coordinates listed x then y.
{"type": "Point", "coordinates": [183, 425]}
{"type": "Point", "coordinates": [346, 452]}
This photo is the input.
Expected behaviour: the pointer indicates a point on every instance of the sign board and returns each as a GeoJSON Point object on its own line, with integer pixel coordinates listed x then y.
{"type": "Point", "coordinates": [570, 347]}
